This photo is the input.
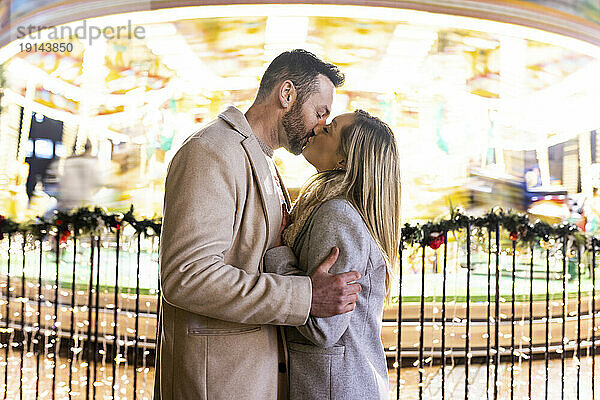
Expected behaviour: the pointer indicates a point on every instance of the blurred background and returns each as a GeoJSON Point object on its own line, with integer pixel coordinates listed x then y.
{"type": "Point", "coordinates": [487, 113]}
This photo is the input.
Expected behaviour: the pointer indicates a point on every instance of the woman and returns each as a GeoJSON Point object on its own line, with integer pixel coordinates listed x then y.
{"type": "Point", "coordinates": [353, 202]}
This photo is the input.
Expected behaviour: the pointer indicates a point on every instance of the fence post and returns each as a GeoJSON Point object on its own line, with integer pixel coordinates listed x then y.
{"type": "Point", "coordinates": [399, 327]}
{"type": "Point", "coordinates": [497, 314]}
{"type": "Point", "coordinates": [444, 317]}
{"type": "Point", "coordinates": [421, 323]}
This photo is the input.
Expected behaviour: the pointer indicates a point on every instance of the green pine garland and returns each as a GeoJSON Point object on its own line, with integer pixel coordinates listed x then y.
{"type": "Point", "coordinates": [85, 220]}
{"type": "Point", "coordinates": [80, 221]}
{"type": "Point", "coordinates": [518, 224]}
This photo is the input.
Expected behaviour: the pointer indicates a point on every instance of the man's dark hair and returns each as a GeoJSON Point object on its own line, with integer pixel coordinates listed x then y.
{"type": "Point", "coordinates": [302, 68]}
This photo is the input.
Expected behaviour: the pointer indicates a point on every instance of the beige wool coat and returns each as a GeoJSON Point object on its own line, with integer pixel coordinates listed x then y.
{"type": "Point", "coordinates": [218, 310]}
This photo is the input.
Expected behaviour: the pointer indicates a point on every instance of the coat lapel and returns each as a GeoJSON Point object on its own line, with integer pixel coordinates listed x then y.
{"type": "Point", "coordinates": [260, 170]}
{"type": "Point", "coordinates": [262, 174]}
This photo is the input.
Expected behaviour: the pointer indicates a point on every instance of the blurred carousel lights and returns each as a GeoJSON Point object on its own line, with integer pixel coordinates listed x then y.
{"type": "Point", "coordinates": [284, 33]}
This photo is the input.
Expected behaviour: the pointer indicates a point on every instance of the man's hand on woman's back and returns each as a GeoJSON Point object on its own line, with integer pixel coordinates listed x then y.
{"type": "Point", "coordinates": [333, 294]}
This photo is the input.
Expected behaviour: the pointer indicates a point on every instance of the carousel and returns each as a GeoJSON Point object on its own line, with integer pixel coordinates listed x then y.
{"type": "Point", "coordinates": [493, 105]}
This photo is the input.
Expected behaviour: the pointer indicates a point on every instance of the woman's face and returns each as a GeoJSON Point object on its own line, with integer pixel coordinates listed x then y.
{"type": "Point", "coordinates": [322, 148]}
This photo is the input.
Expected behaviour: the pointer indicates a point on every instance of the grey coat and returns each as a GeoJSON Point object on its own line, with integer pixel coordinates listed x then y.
{"type": "Point", "coordinates": [340, 357]}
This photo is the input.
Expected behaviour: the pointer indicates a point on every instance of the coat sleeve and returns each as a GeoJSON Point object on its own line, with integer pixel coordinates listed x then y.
{"type": "Point", "coordinates": [282, 261]}
{"type": "Point", "coordinates": [335, 223]}
{"type": "Point", "coordinates": [201, 203]}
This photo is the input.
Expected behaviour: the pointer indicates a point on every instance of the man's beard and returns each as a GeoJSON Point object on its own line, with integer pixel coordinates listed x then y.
{"type": "Point", "coordinates": [295, 129]}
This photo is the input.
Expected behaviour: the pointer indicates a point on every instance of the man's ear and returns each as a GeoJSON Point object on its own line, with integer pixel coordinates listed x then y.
{"type": "Point", "coordinates": [287, 94]}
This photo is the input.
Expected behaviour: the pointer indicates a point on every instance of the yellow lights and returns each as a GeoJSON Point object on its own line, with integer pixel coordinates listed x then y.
{"type": "Point", "coordinates": [283, 33]}
{"type": "Point", "coordinates": [177, 54]}
{"type": "Point", "coordinates": [405, 61]}
{"type": "Point", "coordinates": [339, 11]}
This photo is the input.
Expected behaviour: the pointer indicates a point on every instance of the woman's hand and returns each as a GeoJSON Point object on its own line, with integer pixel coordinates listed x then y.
{"type": "Point", "coordinates": [285, 219]}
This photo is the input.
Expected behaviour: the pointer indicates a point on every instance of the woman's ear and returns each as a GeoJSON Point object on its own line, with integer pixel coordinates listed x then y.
{"type": "Point", "coordinates": [341, 164]}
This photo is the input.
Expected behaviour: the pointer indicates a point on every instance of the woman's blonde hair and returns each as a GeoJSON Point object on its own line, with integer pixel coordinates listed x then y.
{"type": "Point", "coordinates": [370, 182]}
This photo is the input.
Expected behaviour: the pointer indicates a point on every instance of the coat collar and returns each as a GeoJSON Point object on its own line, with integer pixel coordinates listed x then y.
{"type": "Point", "coordinates": [256, 155]}
{"type": "Point", "coordinates": [237, 120]}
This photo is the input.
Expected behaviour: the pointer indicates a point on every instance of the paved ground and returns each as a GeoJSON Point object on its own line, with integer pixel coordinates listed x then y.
{"type": "Point", "coordinates": [409, 377]}
{"type": "Point", "coordinates": [124, 379]}
{"type": "Point", "coordinates": [455, 381]}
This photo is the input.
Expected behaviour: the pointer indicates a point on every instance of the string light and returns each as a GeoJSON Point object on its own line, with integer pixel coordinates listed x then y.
{"type": "Point", "coordinates": [79, 311]}
{"type": "Point", "coordinates": [48, 319]}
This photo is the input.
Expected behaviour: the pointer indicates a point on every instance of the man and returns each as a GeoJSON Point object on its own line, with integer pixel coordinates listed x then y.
{"type": "Point", "coordinates": [223, 209]}
{"type": "Point", "coordinates": [80, 180]}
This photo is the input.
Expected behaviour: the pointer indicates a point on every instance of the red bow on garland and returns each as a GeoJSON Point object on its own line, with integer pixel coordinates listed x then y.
{"type": "Point", "coordinates": [2, 218]}
{"type": "Point", "coordinates": [64, 233]}
{"type": "Point", "coordinates": [436, 240]}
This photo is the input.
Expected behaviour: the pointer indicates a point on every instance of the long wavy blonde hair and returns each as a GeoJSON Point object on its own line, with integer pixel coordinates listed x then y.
{"type": "Point", "coordinates": [370, 182]}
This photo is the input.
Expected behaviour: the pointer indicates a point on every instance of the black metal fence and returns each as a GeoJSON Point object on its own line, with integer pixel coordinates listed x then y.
{"type": "Point", "coordinates": [82, 285]}
{"type": "Point", "coordinates": [59, 280]}
{"type": "Point", "coordinates": [498, 310]}
{"type": "Point", "coordinates": [47, 317]}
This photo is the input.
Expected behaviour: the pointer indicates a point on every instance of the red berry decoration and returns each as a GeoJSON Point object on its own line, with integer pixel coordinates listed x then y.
{"type": "Point", "coordinates": [436, 240]}
{"type": "Point", "coordinates": [2, 219]}
{"type": "Point", "coordinates": [514, 236]}
{"type": "Point", "coordinates": [64, 236]}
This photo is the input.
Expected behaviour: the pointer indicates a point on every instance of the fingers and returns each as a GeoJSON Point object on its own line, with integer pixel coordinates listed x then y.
{"type": "Point", "coordinates": [353, 298]}
{"type": "Point", "coordinates": [344, 291]}
{"type": "Point", "coordinates": [350, 290]}
{"type": "Point", "coordinates": [329, 261]}
{"type": "Point", "coordinates": [285, 220]}
{"type": "Point", "coordinates": [338, 306]}
{"type": "Point", "coordinates": [353, 288]}
{"type": "Point", "coordinates": [285, 215]}
{"type": "Point", "coordinates": [343, 308]}
{"type": "Point", "coordinates": [348, 277]}
{"type": "Point", "coordinates": [349, 307]}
